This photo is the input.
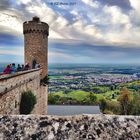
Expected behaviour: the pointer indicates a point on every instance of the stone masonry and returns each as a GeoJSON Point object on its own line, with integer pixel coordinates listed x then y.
{"type": "Point", "coordinates": [36, 43]}
{"type": "Point", "coordinates": [12, 86]}
{"type": "Point", "coordinates": [81, 127]}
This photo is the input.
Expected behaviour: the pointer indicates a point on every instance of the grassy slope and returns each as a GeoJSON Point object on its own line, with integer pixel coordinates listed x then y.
{"type": "Point", "coordinates": [80, 95]}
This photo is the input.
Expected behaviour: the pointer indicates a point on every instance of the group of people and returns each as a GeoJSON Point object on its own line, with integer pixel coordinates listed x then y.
{"type": "Point", "coordinates": [12, 68]}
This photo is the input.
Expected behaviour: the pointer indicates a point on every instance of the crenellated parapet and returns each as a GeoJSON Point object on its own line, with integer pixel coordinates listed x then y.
{"type": "Point", "coordinates": [35, 27]}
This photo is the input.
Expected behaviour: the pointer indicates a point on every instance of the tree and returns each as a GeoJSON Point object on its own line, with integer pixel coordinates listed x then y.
{"type": "Point", "coordinates": [125, 100]}
{"type": "Point", "coordinates": [28, 101]}
{"type": "Point", "coordinates": [112, 87]}
{"type": "Point", "coordinates": [89, 99]}
{"type": "Point", "coordinates": [66, 91]}
{"type": "Point", "coordinates": [135, 104]}
{"type": "Point", "coordinates": [92, 97]}
{"type": "Point", "coordinates": [53, 99]}
{"type": "Point", "coordinates": [103, 104]}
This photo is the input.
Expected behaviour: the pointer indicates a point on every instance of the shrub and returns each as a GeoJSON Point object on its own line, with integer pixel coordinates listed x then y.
{"type": "Point", "coordinates": [103, 104]}
{"type": "Point", "coordinates": [125, 100]}
{"type": "Point", "coordinates": [135, 105]}
{"type": "Point", "coordinates": [45, 80]}
{"type": "Point", "coordinates": [28, 101]}
{"type": "Point", "coordinates": [53, 99]}
{"type": "Point", "coordinates": [114, 107]}
{"type": "Point", "coordinates": [108, 112]}
{"type": "Point", "coordinates": [110, 106]}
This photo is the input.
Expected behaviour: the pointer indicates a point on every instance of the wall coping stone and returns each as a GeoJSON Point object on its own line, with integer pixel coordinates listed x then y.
{"type": "Point", "coordinates": [77, 127]}
{"type": "Point", "coordinates": [8, 76]}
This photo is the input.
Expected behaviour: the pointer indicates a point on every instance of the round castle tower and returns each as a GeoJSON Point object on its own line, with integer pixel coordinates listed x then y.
{"type": "Point", "coordinates": [36, 43]}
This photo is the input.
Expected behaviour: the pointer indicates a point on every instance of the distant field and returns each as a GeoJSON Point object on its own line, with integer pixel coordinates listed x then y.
{"type": "Point", "coordinates": [80, 95]}
{"type": "Point", "coordinates": [56, 77]}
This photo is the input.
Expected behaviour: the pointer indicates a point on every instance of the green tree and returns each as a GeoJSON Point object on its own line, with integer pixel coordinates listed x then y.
{"type": "Point", "coordinates": [28, 101]}
{"type": "Point", "coordinates": [112, 87]}
{"type": "Point", "coordinates": [53, 99]}
{"type": "Point", "coordinates": [66, 91]}
{"type": "Point", "coordinates": [92, 97]}
{"type": "Point", "coordinates": [114, 107]}
{"type": "Point", "coordinates": [135, 105]}
{"type": "Point", "coordinates": [103, 104]}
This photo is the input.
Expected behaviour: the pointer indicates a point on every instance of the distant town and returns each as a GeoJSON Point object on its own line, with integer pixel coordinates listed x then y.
{"type": "Point", "coordinates": [86, 78]}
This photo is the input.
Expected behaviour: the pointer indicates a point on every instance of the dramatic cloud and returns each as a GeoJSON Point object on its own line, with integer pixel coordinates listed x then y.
{"type": "Point", "coordinates": [94, 4]}
{"type": "Point", "coordinates": [91, 22]}
{"type": "Point", "coordinates": [10, 22]}
{"type": "Point", "coordinates": [103, 24]}
{"type": "Point", "coordinates": [123, 4]}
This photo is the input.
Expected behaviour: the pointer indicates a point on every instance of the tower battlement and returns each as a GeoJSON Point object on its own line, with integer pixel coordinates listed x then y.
{"type": "Point", "coordinates": [35, 26]}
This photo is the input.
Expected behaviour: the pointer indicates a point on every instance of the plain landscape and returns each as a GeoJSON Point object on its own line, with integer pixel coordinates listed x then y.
{"type": "Point", "coordinates": [114, 87]}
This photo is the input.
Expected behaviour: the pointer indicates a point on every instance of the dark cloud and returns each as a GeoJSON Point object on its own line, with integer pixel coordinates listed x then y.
{"type": "Point", "coordinates": [10, 40]}
{"type": "Point", "coordinates": [87, 49]}
{"type": "Point", "coordinates": [5, 4]}
{"type": "Point", "coordinates": [94, 53]}
{"type": "Point", "coordinates": [124, 4]}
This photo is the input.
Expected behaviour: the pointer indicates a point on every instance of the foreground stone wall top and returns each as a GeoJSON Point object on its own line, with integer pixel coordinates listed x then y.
{"type": "Point", "coordinates": [81, 127]}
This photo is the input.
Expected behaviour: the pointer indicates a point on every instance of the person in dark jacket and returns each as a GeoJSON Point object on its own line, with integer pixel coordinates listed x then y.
{"type": "Point", "coordinates": [19, 68]}
{"type": "Point", "coordinates": [27, 67]}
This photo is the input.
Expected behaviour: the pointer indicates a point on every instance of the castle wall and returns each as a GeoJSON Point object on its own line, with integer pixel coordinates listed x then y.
{"type": "Point", "coordinates": [12, 86]}
{"type": "Point", "coordinates": [81, 127]}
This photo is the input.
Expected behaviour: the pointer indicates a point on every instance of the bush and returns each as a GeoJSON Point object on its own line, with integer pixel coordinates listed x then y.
{"type": "Point", "coordinates": [28, 101]}
{"type": "Point", "coordinates": [114, 107]}
{"type": "Point", "coordinates": [135, 105]}
{"type": "Point", "coordinates": [53, 99]}
{"type": "Point", "coordinates": [108, 112]}
{"type": "Point", "coordinates": [125, 100]}
{"type": "Point", "coordinates": [45, 80]}
{"type": "Point", "coordinates": [110, 106]}
{"type": "Point", "coordinates": [103, 104]}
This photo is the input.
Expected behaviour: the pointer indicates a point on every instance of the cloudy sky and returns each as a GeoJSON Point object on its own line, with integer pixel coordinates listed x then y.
{"type": "Point", "coordinates": [84, 31]}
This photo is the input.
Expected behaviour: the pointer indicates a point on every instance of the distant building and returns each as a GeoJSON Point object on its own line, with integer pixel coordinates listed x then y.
{"type": "Point", "coordinates": [36, 44]}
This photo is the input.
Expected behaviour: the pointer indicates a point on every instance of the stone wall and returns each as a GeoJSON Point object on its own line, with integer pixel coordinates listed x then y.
{"type": "Point", "coordinates": [81, 127]}
{"type": "Point", "coordinates": [12, 86]}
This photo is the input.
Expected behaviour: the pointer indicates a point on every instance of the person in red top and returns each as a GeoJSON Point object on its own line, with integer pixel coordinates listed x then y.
{"type": "Point", "coordinates": [7, 70]}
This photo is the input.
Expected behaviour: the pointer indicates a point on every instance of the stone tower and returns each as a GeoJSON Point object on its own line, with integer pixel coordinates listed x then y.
{"type": "Point", "coordinates": [36, 43]}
